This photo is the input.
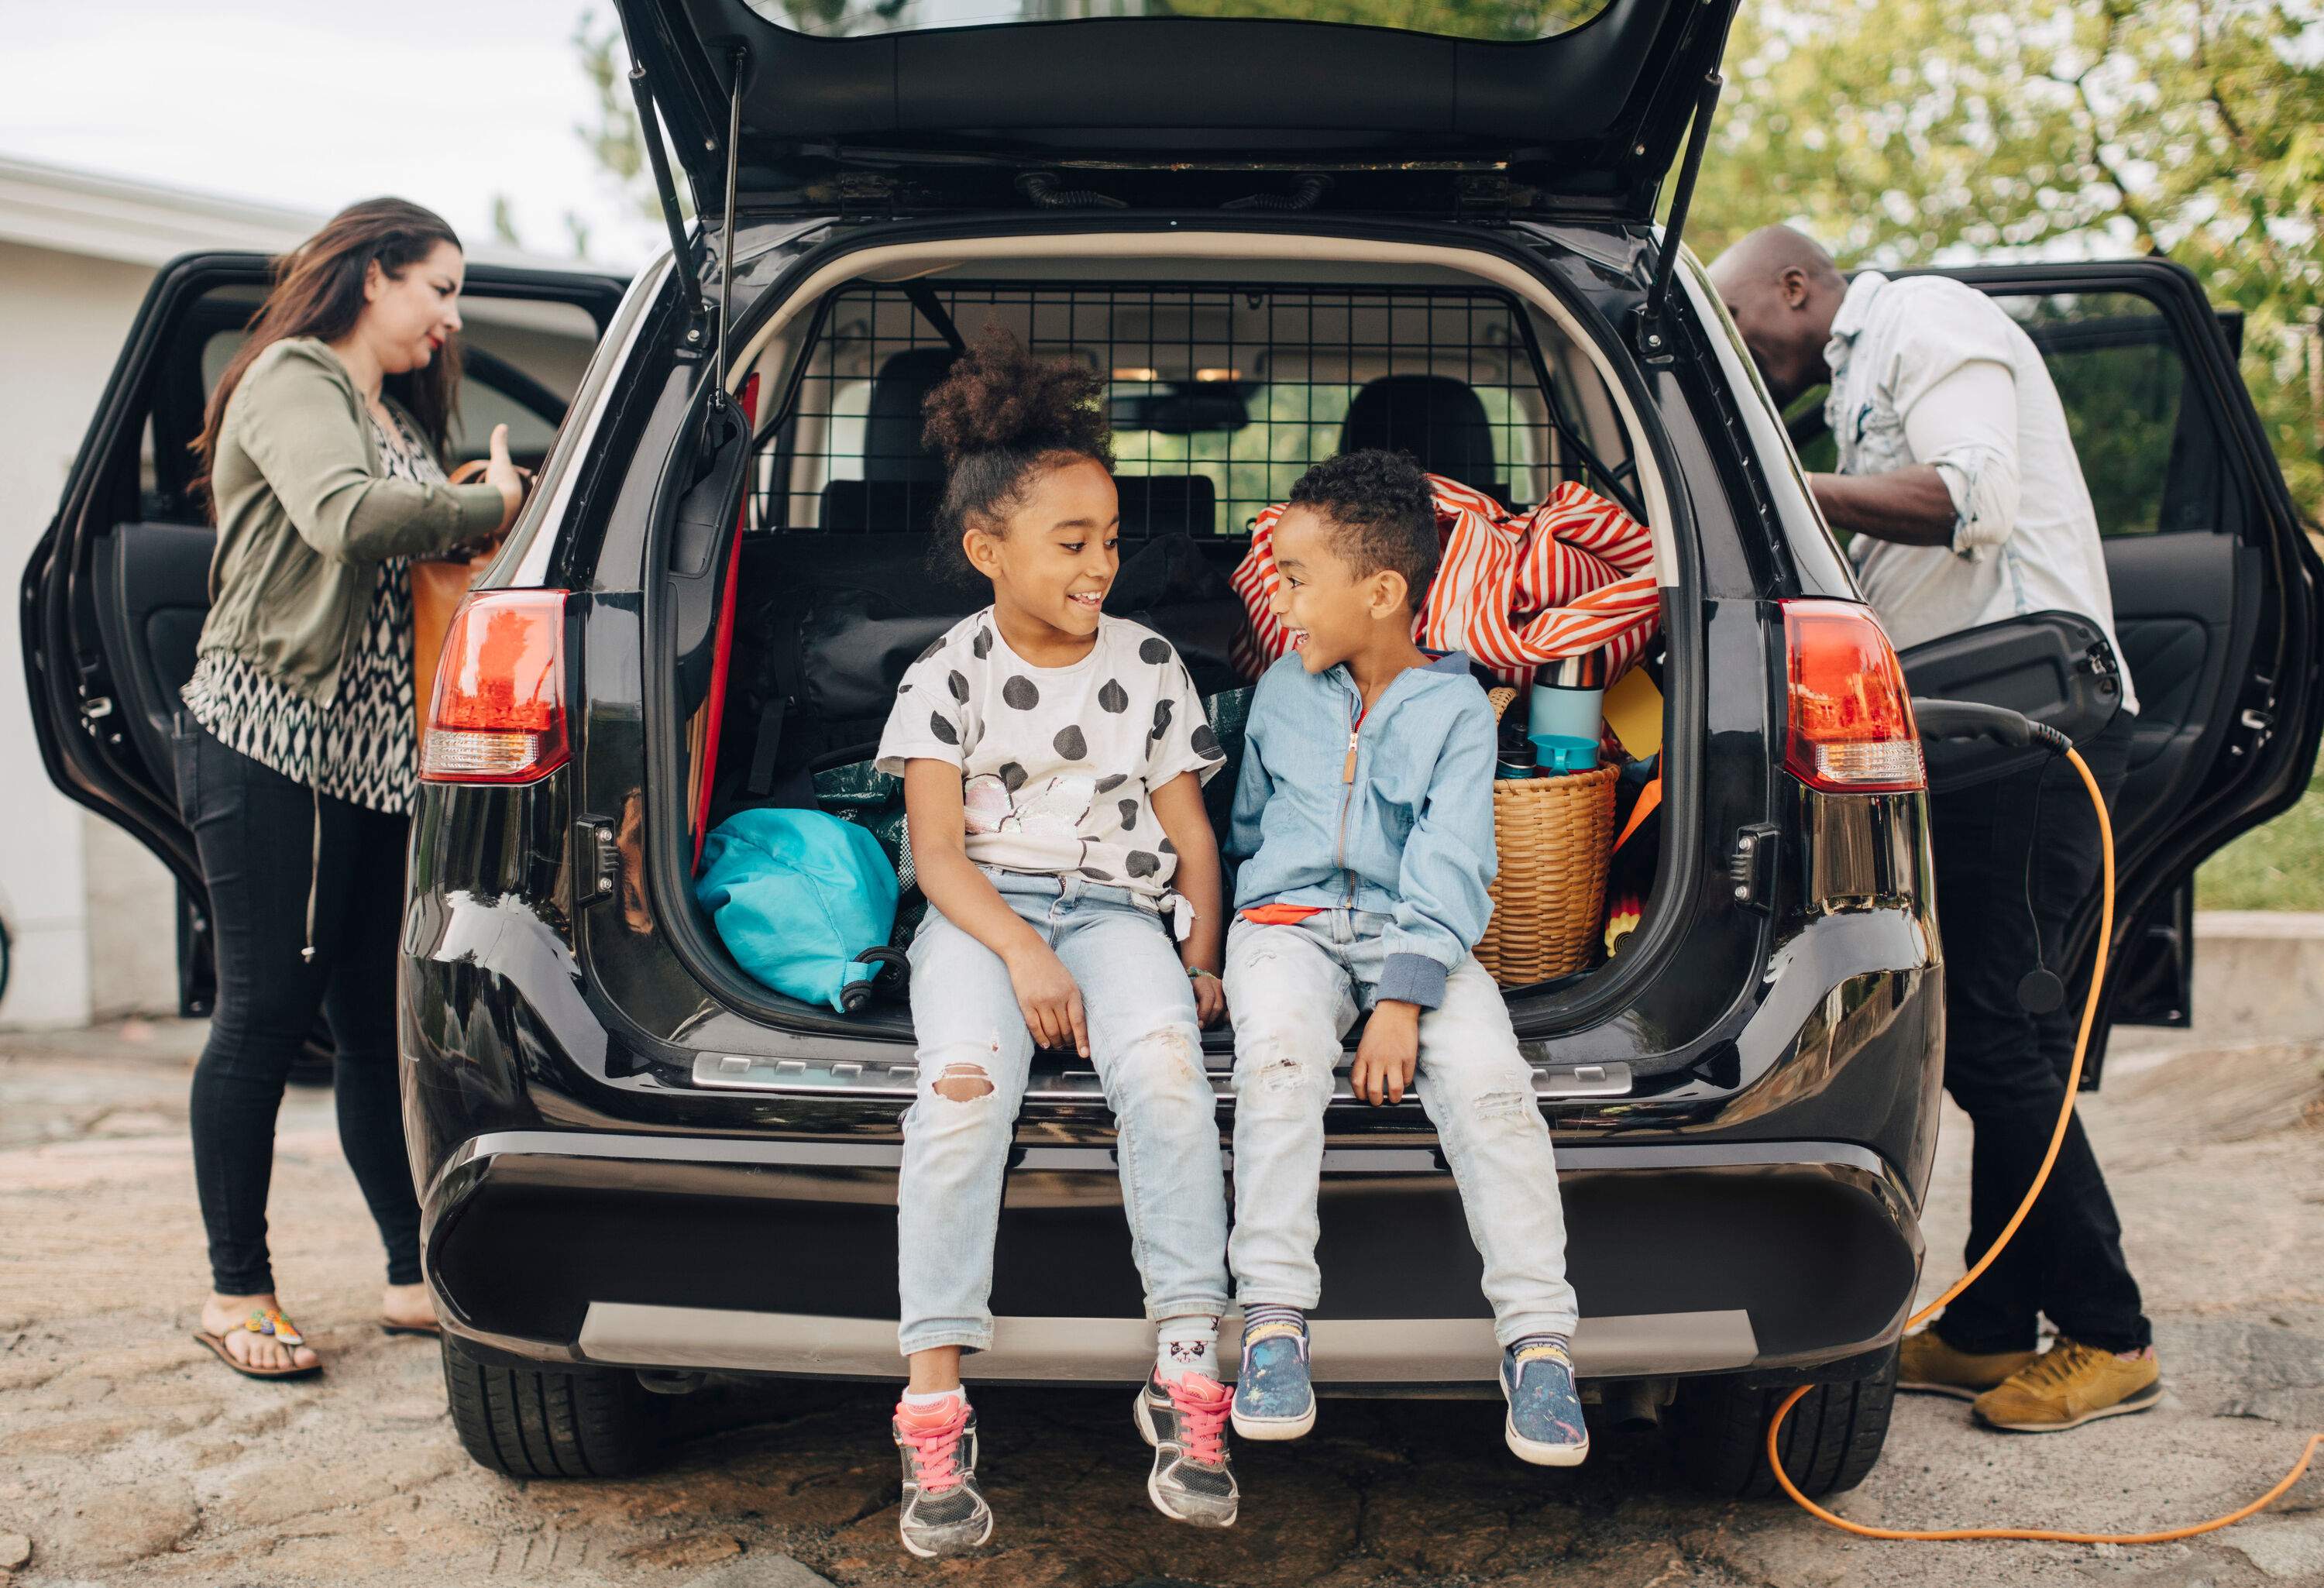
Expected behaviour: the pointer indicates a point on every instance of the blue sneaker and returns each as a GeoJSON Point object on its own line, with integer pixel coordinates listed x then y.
{"type": "Point", "coordinates": [1274, 1399]}
{"type": "Point", "coordinates": [1544, 1424]}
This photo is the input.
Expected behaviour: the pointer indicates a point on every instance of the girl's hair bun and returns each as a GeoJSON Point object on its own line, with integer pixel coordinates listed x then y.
{"type": "Point", "coordinates": [1000, 398]}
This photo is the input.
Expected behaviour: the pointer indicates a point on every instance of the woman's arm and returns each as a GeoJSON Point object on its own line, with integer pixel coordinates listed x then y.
{"type": "Point", "coordinates": [936, 820]}
{"type": "Point", "coordinates": [294, 422]}
{"type": "Point", "coordinates": [1178, 807]}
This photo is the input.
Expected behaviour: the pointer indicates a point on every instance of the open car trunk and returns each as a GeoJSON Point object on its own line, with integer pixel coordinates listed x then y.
{"type": "Point", "coordinates": [1226, 378]}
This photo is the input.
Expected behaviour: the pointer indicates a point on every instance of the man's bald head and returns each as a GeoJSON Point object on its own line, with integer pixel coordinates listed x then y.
{"type": "Point", "coordinates": [1783, 291]}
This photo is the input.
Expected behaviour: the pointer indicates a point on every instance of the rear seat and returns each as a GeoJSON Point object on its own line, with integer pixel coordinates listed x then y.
{"type": "Point", "coordinates": [826, 623]}
{"type": "Point", "coordinates": [1152, 505]}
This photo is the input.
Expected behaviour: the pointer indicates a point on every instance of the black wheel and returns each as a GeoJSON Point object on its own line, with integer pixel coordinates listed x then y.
{"type": "Point", "coordinates": [551, 1422]}
{"type": "Point", "coordinates": [1831, 1441]}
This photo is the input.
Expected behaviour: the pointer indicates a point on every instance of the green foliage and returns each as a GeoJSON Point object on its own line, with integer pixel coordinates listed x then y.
{"type": "Point", "coordinates": [2279, 866]}
{"type": "Point", "coordinates": [1912, 131]}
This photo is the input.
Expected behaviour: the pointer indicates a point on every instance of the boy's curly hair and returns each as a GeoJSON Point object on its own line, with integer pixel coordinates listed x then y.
{"type": "Point", "coordinates": [1382, 512]}
{"type": "Point", "coordinates": [998, 417]}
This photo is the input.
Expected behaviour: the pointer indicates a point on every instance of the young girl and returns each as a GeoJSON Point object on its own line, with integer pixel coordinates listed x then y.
{"type": "Point", "coordinates": [1053, 760]}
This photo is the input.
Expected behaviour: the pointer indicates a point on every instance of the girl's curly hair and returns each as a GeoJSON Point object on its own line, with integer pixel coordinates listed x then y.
{"type": "Point", "coordinates": [1001, 416]}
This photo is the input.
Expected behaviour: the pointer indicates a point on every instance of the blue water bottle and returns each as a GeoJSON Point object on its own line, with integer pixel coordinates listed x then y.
{"type": "Point", "coordinates": [1566, 712]}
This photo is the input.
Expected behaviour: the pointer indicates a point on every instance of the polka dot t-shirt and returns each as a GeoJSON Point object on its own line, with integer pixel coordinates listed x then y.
{"type": "Point", "coordinates": [1057, 763]}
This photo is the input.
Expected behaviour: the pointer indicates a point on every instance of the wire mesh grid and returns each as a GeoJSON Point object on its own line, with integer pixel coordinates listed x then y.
{"type": "Point", "coordinates": [1220, 396]}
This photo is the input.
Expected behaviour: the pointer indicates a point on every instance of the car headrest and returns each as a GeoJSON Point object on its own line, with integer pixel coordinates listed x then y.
{"type": "Point", "coordinates": [1152, 505]}
{"type": "Point", "coordinates": [1439, 421]}
{"type": "Point", "coordinates": [892, 448]}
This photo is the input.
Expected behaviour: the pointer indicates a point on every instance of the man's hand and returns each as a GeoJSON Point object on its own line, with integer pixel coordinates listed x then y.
{"type": "Point", "coordinates": [1388, 1054]}
{"type": "Point", "coordinates": [1045, 992]}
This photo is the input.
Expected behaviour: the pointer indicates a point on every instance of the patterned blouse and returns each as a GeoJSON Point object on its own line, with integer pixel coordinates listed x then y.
{"type": "Point", "coordinates": [362, 749]}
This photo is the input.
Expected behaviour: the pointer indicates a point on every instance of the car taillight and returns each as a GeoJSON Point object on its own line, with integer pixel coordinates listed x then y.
{"type": "Point", "coordinates": [1851, 718]}
{"type": "Point", "coordinates": [498, 715]}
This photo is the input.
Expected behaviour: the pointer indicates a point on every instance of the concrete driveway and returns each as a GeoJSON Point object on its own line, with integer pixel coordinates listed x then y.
{"type": "Point", "coordinates": [126, 1455]}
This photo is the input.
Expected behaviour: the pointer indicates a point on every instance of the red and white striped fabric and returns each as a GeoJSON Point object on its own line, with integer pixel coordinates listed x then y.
{"type": "Point", "coordinates": [1512, 590]}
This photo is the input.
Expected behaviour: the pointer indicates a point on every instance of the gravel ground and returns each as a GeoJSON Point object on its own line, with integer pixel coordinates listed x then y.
{"type": "Point", "coordinates": [126, 1455]}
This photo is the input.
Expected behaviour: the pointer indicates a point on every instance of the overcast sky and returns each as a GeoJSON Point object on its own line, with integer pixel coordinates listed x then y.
{"type": "Point", "coordinates": [297, 102]}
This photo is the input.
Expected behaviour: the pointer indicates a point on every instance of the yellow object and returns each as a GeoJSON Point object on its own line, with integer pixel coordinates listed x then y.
{"type": "Point", "coordinates": [1634, 710]}
{"type": "Point", "coordinates": [2070, 1385]}
{"type": "Point", "coordinates": [2041, 1176]}
{"type": "Point", "coordinates": [1925, 1363]}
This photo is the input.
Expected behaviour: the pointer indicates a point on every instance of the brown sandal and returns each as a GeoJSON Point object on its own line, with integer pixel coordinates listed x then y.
{"type": "Point", "coordinates": [433, 1331]}
{"type": "Point", "coordinates": [261, 1323]}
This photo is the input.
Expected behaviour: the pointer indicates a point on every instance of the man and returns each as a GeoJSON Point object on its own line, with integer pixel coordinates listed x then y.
{"type": "Point", "coordinates": [1959, 482]}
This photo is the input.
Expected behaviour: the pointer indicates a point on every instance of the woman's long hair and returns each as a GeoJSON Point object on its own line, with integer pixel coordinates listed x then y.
{"type": "Point", "coordinates": [319, 292]}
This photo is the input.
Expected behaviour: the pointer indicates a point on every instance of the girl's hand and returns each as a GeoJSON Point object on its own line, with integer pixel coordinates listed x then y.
{"type": "Point", "coordinates": [500, 470]}
{"type": "Point", "coordinates": [1051, 1003]}
{"type": "Point", "coordinates": [1210, 995]}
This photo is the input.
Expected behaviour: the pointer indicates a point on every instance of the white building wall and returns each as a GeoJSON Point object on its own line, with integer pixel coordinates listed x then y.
{"type": "Point", "coordinates": [91, 914]}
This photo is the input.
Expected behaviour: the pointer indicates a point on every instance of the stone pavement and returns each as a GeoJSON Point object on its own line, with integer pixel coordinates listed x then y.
{"type": "Point", "coordinates": [129, 1456]}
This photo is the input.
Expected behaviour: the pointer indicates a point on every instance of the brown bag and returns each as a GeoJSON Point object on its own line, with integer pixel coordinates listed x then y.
{"type": "Point", "coordinates": [437, 587]}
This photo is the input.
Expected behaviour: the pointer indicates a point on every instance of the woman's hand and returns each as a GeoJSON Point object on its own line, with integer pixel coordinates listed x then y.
{"type": "Point", "coordinates": [500, 470]}
{"type": "Point", "coordinates": [1045, 992]}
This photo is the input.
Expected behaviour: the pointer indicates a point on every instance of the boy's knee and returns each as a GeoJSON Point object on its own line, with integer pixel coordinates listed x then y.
{"type": "Point", "coordinates": [1281, 1064]}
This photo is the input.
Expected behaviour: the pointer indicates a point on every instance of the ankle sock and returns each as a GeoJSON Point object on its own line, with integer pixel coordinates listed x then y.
{"type": "Point", "coordinates": [922, 1400]}
{"type": "Point", "coordinates": [1563, 1345]}
{"type": "Point", "coordinates": [1186, 1346]}
{"type": "Point", "coordinates": [1256, 1315]}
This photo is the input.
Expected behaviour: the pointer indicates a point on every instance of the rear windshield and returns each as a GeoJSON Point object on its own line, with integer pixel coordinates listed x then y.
{"type": "Point", "coordinates": [1507, 20]}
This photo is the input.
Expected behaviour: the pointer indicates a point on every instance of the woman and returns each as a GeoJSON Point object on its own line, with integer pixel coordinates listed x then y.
{"type": "Point", "coordinates": [295, 755]}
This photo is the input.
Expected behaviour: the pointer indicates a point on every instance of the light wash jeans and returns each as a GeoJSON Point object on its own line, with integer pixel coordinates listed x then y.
{"type": "Point", "coordinates": [1294, 992]}
{"type": "Point", "coordinates": [1147, 1047]}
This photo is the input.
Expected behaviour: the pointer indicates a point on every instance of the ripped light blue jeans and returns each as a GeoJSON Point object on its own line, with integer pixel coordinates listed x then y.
{"type": "Point", "coordinates": [1147, 1047]}
{"type": "Point", "coordinates": [1294, 992]}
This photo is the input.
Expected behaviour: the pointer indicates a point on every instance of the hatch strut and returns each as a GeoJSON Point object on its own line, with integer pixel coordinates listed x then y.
{"type": "Point", "coordinates": [690, 281]}
{"type": "Point", "coordinates": [718, 397]}
{"type": "Point", "coordinates": [1652, 339]}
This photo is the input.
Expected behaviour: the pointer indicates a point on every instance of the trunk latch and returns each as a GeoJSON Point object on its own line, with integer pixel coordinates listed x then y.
{"type": "Point", "coordinates": [1751, 866]}
{"type": "Point", "coordinates": [596, 861]}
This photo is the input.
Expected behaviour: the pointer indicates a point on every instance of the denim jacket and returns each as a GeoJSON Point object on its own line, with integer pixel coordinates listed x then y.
{"type": "Point", "coordinates": [1392, 814]}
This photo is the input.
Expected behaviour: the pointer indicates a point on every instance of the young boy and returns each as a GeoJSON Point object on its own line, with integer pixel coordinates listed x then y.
{"type": "Point", "coordinates": [1364, 818]}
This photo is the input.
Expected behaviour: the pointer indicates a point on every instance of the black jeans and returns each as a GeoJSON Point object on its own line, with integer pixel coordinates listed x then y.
{"type": "Point", "coordinates": [254, 831]}
{"type": "Point", "coordinates": [2006, 1068]}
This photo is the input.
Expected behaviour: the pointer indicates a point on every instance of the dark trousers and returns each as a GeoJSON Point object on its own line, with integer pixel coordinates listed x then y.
{"type": "Point", "coordinates": [254, 830]}
{"type": "Point", "coordinates": [2006, 1068]}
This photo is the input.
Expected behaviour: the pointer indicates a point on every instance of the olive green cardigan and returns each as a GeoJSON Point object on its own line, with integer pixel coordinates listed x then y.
{"type": "Point", "coordinates": [305, 513]}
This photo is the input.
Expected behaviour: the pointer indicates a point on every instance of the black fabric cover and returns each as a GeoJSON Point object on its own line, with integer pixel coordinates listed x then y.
{"type": "Point", "coordinates": [1439, 421]}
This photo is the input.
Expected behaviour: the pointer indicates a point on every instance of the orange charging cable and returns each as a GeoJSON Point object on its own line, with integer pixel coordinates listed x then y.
{"type": "Point", "coordinates": [2041, 1175]}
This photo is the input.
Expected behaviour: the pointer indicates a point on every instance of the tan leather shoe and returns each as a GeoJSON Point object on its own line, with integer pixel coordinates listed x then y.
{"type": "Point", "coordinates": [2073, 1385]}
{"type": "Point", "coordinates": [1926, 1365]}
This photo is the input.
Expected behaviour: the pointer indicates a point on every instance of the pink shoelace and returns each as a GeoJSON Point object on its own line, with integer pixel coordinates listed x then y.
{"type": "Point", "coordinates": [1202, 1405]}
{"type": "Point", "coordinates": [936, 1446]}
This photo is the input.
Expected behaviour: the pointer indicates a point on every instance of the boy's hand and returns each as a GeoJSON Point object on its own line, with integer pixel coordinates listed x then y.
{"type": "Point", "coordinates": [1051, 1003]}
{"type": "Point", "coordinates": [1388, 1054]}
{"type": "Point", "coordinates": [1210, 992]}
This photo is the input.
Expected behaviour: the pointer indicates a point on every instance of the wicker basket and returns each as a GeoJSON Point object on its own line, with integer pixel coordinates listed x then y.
{"type": "Point", "coordinates": [1554, 836]}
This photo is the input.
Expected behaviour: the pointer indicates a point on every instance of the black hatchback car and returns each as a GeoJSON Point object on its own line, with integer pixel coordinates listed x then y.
{"type": "Point", "coordinates": [1274, 238]}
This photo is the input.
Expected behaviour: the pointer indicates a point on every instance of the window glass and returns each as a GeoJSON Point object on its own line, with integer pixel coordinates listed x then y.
{"type": "Point", "coordinates": [1508, 21]}
{"type": "Point", "coordinates": [2146, 453]}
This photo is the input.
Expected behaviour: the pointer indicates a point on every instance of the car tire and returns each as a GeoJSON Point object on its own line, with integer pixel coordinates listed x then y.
{"type": "Point", "coordinates": [551, 1422]}
{"type": "Point", "coordinates": [1831, 1441]}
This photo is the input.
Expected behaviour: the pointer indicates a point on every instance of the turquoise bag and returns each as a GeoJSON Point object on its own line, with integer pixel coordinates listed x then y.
{"type": "Point", "coordinates": [804, 901]}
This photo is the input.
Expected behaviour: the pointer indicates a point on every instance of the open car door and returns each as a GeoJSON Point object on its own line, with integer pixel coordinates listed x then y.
{"type": "Point", "coordinates": [117, 588]}
{"type": "Point", "coordinates": [2216, 594]}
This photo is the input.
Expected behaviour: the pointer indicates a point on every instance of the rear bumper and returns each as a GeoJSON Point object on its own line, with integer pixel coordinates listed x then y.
{"type": "Point", "coordinates": [780, 1257]}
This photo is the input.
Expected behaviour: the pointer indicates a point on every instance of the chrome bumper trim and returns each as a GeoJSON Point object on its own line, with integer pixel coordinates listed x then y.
{"type": "Point", "coordinates": [847, 1078]}
{"type": "Point", "coordinates": [1348, 1351]}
